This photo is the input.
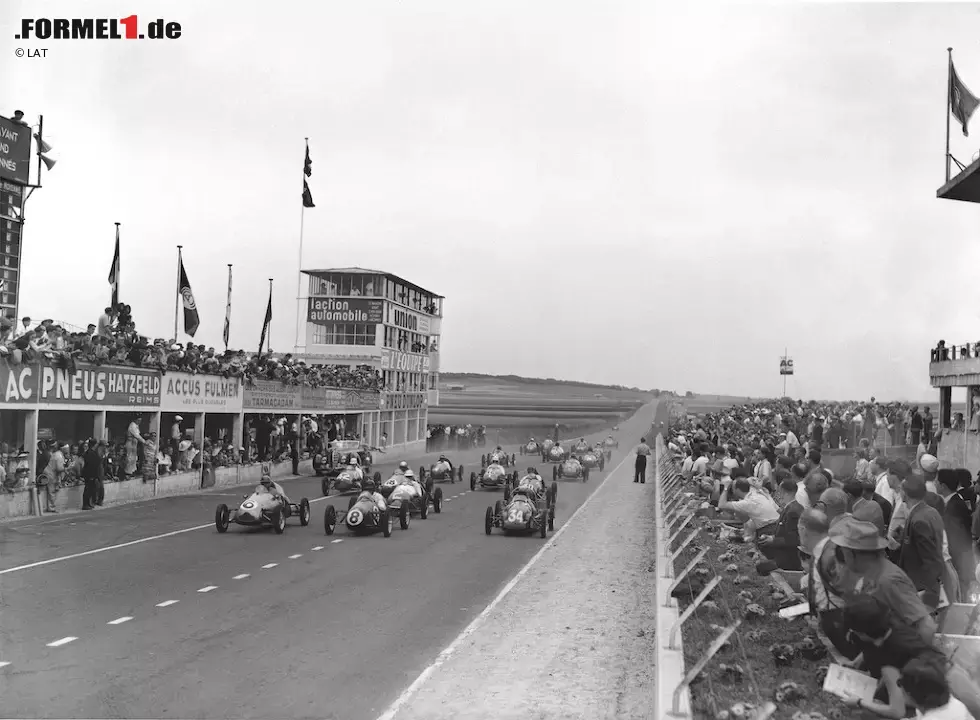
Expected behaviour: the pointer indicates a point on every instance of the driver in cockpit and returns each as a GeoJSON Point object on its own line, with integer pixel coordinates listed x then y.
{"type": "Point", "coordinates": [531, 484]}
{"type": "Point", "coordinates": [370, 493]}
{"type": "Point", "coordinates": [444, 459]}
{"type": "Point", "coordinates": [268, 485]}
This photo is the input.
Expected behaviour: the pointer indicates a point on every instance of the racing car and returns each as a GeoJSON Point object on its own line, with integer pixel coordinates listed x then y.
{"type": "Point", "coordinates": [546, 446]}
{"type": "Point", "coordinates": [265, 507]}
{"type": "Point", "coordinates": [556, 454]}
{"type": "Point", "coordinates": [591, 459]}
{"type": "Point", "coordinates": [616, 428]}
{"type": "Point", "coordinates": [529, 509]}
{"type": "Point", "coordinates": [404, 488]}
{"type": "Point", "coordinates": [580, 448]}
{"type": "Point", "coordinates": [492, 477]}
{"type": "Point", "coordinates": [531, 447]}
{"type": "Point", "coordinates": [570, 469]}
{"type": "Point", "coordinates": [440, 471]}
{"type": "Point", "coordinates": [345, 467]}
{"type": "Point", "coordinates": [363, 517]}
{"type": "Point", "coordinates": [499, 457]}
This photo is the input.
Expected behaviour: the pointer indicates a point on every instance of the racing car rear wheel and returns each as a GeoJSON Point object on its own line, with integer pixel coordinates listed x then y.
{"type": "Point", "coordinates": [424, 506]}
{"type": "Point", "coordinates": [387, 523]}
{"type": "Point", "coordinates": [279, 521]}
{"type": "Point", "coordinates": [422, 473]}
{"type": "Point", "coordinates": [404, 516]}
{"type": "Point", "coordinates": [325, 486]}
{"type": "Point", "coordinates": [304, 512]}
{"type": "Point", "coordinates": [437, 500]}
{"type": "Point", "coordinates": [329, 520]}
{"type": "Point", "coordinates": [544, 525]}
{"type": "Point", "coordinates": [551, 519]}
{"type": "Point", "coordinates": [513, 459]}
{"type": "Point", "coordinates": [377, 478]}
{"type": "Point", "coordinates": [554, 492]}
{"type": "Point", "coordinates": [488, 523]}
{"type": "Point", "coordinates": [472, 481]}
{"type": "Point", "coordinates": [221, 518]}
{"type": "Point", "coordinates": [507, 492]}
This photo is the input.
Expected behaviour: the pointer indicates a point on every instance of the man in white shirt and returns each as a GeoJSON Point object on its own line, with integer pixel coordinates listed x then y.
{"type": "Point", "coordinates": [883, 487]}
{"type": "Point", "coordinates": [24, 328]}
{"type": "Point", "coordinates": [791, 440]}
{"type": "Point", "coordinates": [783, 447]}
{"type": "Point", "coordinates": [759, 509]}
{"type": "Point", "coordinates": [700, 466]}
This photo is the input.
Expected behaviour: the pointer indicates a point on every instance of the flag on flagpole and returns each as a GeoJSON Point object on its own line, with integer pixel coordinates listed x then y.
{"type": "Point", "coordinates": [962, 102]}
{"type": "Point", "coordinates": [267, 322]}
{"type": "Point", "coordinates": [227, 331]}
{"type": "Point", "coordinates": [191, 319]}
{"type": "Point", "coordinates": [114, 272]}
{"type": "Point", "coordinates": [307, 196]}
{"type": "Point", "coordinates": [308, 164]}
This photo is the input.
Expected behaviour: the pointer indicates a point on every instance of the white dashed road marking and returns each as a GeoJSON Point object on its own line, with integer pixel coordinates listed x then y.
{"type": "Point", "coordinates": [297, 555]}
{"type": "Point", "coordinates": [208, 588]}
{"type": "Point", "coordinates": [334, 542]}
{"type": "Point", "coordinates": [269, 566]}
{"type": "Point", "coordinates": [240, 577]}
{"type": "Point", "coordinates": [318, 547]}
{"type": "Point", "coordinates": [119, 621]}
{"type": "Point", "coordinates": [63, 641]}
{"type": "Point", "coordinates": [168, 603]}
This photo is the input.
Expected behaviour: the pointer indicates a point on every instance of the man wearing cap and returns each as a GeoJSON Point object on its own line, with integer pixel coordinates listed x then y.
{"type": "Point", "coordinates": [863, 551]}
{"type": "Point", "coordinates": [51, 476]}
{"type": "Point", "coordinates": [957, 520]}
{"type": "Point", "coordinates": [175, 434]}
{"type": "Point", "coordinates": [921, 553]}
{"type": "Point", "coordinates": [93, 472]}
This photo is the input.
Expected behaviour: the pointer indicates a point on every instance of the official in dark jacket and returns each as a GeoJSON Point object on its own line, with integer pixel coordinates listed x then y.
{"type": "Point", "coordinates": [957, 520]}
{"type": "Point", "coordinates": [93, 473]}
{"type": "Point", "coordinates": [782, 546]}
{"type": "Point", "coordinates": [921, 551]}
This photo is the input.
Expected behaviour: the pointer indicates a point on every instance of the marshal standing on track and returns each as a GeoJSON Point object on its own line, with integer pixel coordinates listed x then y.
{"type": "Point", "coordinates": [642, 450]}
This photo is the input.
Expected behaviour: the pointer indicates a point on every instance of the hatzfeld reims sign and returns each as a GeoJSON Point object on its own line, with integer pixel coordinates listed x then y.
{"type": "Point", "coordinates": [328, 311]}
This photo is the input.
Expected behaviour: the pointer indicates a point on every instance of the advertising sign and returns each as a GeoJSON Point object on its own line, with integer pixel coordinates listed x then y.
{"type": "Point", "coordinates": [404, 362]}
{"type": "Point", "coordinates": [88, 385]}
{"type": "Point", "coordinates": [272, 395]}
{"type": "Point", "coordinates": [410, 320]}
{"type": "Point", "coordinates": [330, 310]}
{"type": "Point", "coordinates": [337, 400]}
{"type": "Point", "coordinates": [15, 151]}
{"type": "Point", "coordinates": [200, 393]}
{"type": "Point", "coordinates": [786, 366]}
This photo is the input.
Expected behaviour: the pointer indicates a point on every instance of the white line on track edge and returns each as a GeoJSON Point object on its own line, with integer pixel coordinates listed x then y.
{"type": "Point", "coordinates": [407, 694]}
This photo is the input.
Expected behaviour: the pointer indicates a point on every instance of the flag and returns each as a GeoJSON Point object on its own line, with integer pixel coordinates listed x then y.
{"type": "Point", "coordinates": [962, 102]}
{"type": "Point", "coordinates": [268, 321]}
{"type": "Point", "coordinates": [191, 319]}
{"type": "Point", "coordinates": [227, 331]}
{"type": "Point", "coordinates": [114, 272]}
{"type": "Point", "coordinates": [308, 164]}
{"type": "Point", "coordinates": [307, 197]}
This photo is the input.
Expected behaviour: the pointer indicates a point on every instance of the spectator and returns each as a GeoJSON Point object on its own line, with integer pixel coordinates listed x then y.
{"type": "Point", "coordinates": [921, 554]}
{"type": "Point", "coordinates": [51, 476]}
{"type": "Point", "coordinates": [781, 548]}
{"type": "Point", "coordinates": [760, 511]}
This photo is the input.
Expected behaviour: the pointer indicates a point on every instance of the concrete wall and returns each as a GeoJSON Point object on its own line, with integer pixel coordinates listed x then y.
{"type": "Point", "coordinates": [960, 449]}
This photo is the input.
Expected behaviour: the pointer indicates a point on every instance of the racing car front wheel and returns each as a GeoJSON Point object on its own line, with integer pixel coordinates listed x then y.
{"type": "Point", "coordinates": [544, 526]}
{"type": "Point", "coordinates": [279, 522]}
{"type": "Point", "coordinates": [404, 516]}
{"type": "Point", "coordinates": [329, 520]}
{"type": "Point", "coordinates": [424, 509]}
{"type": "Point", "coordinates": [387, 523]}
{"type": "Point", "coordinates": [472, 481]}
{"type": "Point", "coordinates": [488, 523]}
{"type": "Point", "coordinates": [304, 512]}
{"type": "Point", "coordinates": [437, 501]}
{"type": "Point", "coordinates": [221, 518]}
{"type": "Point", "coordinates": [325, 486]}
{"type": "Point", "coordinates": [551, 519]}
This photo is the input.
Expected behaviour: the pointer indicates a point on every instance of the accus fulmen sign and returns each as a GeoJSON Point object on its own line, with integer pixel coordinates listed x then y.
{"type": "Point", "coordinates": [200, 393]}
{"type": "Point", "coordinates": [330, 310]}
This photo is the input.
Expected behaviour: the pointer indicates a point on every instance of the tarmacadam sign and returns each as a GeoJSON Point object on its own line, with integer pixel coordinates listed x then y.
{"type": "Point", "coordinates": [200, 393]}
{"type": "Point", "coordinates": [272, 395]}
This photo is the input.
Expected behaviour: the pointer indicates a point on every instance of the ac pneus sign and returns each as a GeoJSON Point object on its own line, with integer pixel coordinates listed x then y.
{"type": "Point", "coordinates": [200, 393]}
{"type": "Point", "coordinates": [327, 311]}
{"type": "Point", "coordinates": [103, 387]}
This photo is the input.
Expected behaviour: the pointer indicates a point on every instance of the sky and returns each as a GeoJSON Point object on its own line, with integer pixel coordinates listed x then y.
{"type": "Point", "coordinates": [653, 194]}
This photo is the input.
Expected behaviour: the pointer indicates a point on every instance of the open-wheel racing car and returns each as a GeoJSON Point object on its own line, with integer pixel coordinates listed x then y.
{"type": "Point", "coordinates": [529, 508]}
{"type": "Point", "coordinates": [403, 488]}
{"type": "Point", "coordinates": [365, 517]}
{"type": "Point", "coordinates": [580, 448]}
{"type": "Point", "coordinates": [570, 469]}
{"type": "Point", "coordinates": [546, 448]}
{"type": "Point", "coordinates": [591, 459]}
{"type": "Point", "coordinates": [607, 446]}
{"type": "Point", "coordinates": [492, 477]}
{"type": "Point", "coordinates": [555, 454]}
{"type": "Point", "coordinates": [531, 447]}
{"type": "Point", "coordinates": [498, 457]}
{"type": "Point", "coordinates": [265, 507]}
{"type": "Point", "coordinates": [344, 465]}
{"type": "Point", "coordinates": [441, 471]}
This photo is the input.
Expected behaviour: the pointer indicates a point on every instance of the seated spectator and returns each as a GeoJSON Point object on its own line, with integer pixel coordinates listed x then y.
{"type": "Point", "coordinates": [758, 509]}
{"type": "Point", "coordinates": [781, 548]}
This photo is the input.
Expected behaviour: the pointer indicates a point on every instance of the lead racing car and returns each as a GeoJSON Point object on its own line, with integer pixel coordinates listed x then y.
{"type": "Point", "coordinates": [499, 457]}
{"type": "Point", "coordinates": [580, 448]}
{"type": "Point", "coordinates": [556, 454]}
{"type": "Point", "coordinates": [266, 506]}
{"type": "Point", "coordinates": [529, 509]}
{"type": "Point", "coordinates": [607, 446]}
{"type": "Point", "coordinates": [492, 477]}
{"type": "Point", "coordinates": [367, 514]}
{"type": "Point", "coordinates": [546, 448]}
{"type": "Point", "coordinates": [591, 459]}
{"type": "Point", "coordinates": [403, 488]}
{"type": "Point", "coordinates": [531, 447]}
{"type": "Point", "coordinates": [441, 471]}
{"type": "Point", "coordinates": [570, 469]}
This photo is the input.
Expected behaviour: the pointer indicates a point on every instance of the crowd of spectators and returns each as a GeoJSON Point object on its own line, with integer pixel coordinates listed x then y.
{"type": "Point", "coordinates": [114, 340]}
{"type": "Point", "coordinates": [454, 437]}
{"type": "Point", "coordinates": [883, 551]}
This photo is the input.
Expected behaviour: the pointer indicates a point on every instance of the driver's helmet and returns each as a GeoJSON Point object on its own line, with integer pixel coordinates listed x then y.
{"type": "Point", "coordinates": [352, 462]}
{"type": "Point", "coordinates": [532, 471]}
{"type": "Point", "coordinates": [409, 474]}
{"type": "Point", "coordinates": [403, 466]}
{"type": "Point", "coordinates": [368, 485]}
{"type": "Point", "coordinates": [266, 480]}
{"type": "Point", "coordinates": [498, 448]}
{"type": "Point", "coordinates": [443, 458]}
{"type": "Point", "coordinates": [532, 439]}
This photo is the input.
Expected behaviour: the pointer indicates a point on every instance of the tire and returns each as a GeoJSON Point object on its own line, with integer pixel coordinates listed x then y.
{"type": "Point", "coordinates": [544, 525]}
{"type": "Point", "coordinates": [483, 460]}
{"type": "Point", "coordinates": [424, 510]}
{"type": "Point", "coordinates": [353, 501]}
{"type": "Point", "coordinates": [377, 479]}
{"type": "Point", "coordinates": [329, 520]}
{"type": "Point", "coordinates": [404, 517]}
{"type": "Point", "coordinates": [585, 475]}
{"type": "Point", "coordinates": [279, 522]}
{"type": "Point", "coordinates": [386, 523]}
{"type": "Point", "coordinates": [421, 473]}
{"type": "Point", "coordinates": [304, 512]}
{"type": "Point", "coordinates": [554, 473]}
{"type": "Point", "coordinates": [221, 518]}
{"type": "Point", "coordinates": [551, 519]}
{"type": "Point", "coordinates": [437, 501]}
{"type": "Point", "coordinates": [429, 485]}
{"type": "Point", "coordinates": [513, 459]}
{"type": "Point", "coordinates": [507, 494]}
{"type": "Point", "coordinates": [554, 493]}
{"type": "Point", "coordinates": [488, 521]}
{"type": "Point", "coordinates": [498, 508]}
{"type": "Point", "coordinates": [325, 486]}
{"type": "Point", "coordinates": [472, 481]}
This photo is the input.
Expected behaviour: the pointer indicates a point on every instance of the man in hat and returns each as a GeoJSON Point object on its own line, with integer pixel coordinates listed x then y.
{"type": "Point", "coordinates": [175, 433]}
{"type": "Point", "coordinates": [51, 476]}
{"type": "Point", "coordinates": [957, 521]}
{"type": "Point", "coordinates": [93, 473]}
{"type": "Point", "coordinates": [863, 551]}
{"type": "Point", "coordinates": [930, 468]}
{"type": "Point", "coordinates": [921, 553]}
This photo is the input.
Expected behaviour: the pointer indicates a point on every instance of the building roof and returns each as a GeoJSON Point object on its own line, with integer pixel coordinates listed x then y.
{"type": "Point", "coordinates": [366, 271]}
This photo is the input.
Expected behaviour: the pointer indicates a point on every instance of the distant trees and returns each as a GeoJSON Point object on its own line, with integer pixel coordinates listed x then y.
{"type": "Point", "coordinates": [517, 379]}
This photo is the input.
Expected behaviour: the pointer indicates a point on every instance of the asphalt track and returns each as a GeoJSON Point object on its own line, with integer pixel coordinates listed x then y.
{"type": "Point", "coordinates": [144, 611]}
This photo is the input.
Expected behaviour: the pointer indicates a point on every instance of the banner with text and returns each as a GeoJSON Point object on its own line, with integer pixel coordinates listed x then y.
{"type": "Point", "coordinates": [15, 151]}
{"type": "Point", "coordinates": [200, 393]}
{"type": "Point", "coordinates": [333, 400]}
{"type": "Point", "coordinates": [272, 395]}
{"type": "Point", "coordinates": [331, 310]}
{"type": "Point", "coordinates": [88, 385]}
{"type": "Point", "coordinates": [404, 362]}
{"type": "Point", "coordinates": [409, 320]}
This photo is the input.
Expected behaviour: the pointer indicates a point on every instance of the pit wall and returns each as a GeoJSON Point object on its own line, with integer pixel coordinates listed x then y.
{"type": "Point", "coordinates": [960, 449]}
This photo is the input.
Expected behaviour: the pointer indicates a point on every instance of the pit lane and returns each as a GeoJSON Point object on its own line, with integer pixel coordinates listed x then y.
{"type": "Point", "coordinates": [246, 624]}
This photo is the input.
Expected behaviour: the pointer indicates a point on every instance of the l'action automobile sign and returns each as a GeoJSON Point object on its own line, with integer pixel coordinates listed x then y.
{"type": "Point", "coordinates": [330, 310]}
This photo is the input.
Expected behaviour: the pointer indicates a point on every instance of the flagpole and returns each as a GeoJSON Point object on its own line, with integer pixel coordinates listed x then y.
{"type": "Point", "coordinates": [299, 268]}
{"type": "Point", "coordinates": [177, 298]}
{"type": "Point", "coordinates": [228, 310]}
{"type": "Point", "coordinates": [118, 278]}
{"type": "Point", "coordinates": [949, 103]}
{"type": "Point", "coordinates": [269, 339]}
